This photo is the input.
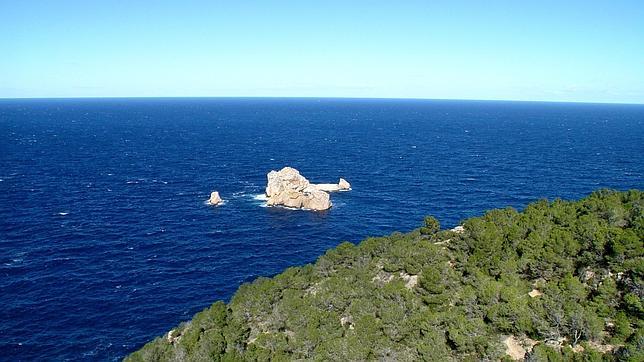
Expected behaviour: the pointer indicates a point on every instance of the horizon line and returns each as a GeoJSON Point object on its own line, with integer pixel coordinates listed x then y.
{"type": "Point", "coordinates": [320, 98]}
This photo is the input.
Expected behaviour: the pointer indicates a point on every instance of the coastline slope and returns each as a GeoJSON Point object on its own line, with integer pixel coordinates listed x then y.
{"type": "Point", "coordinates": [432, 294]}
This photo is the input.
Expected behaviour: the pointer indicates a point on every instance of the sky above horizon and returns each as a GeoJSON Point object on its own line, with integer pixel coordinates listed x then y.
{"type": "Point", "coordinates": [587, 51]}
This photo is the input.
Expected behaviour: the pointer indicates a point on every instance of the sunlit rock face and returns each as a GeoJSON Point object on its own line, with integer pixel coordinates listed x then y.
{"type": "Point", "coordinates": [287, 187]}
{"type": "Point", "coordinates": [342, 185]}
{"type": "Point", "coordinates": [215, 199]}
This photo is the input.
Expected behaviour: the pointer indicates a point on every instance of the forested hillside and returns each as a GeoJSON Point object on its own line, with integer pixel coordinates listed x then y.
{"type": "Point", "coordinates": [558, 281]}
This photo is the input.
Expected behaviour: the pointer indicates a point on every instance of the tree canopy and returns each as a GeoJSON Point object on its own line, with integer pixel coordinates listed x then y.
{"type": "Point", "coordinates": [562, 279]}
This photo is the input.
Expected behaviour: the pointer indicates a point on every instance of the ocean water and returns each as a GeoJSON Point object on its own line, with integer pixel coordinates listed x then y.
{"type": "Point", "coordinates": [105, 240]}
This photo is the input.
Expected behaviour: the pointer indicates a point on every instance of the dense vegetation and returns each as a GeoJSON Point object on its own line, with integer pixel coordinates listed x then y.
{"type": "Point", "coordinates": [562, 279]}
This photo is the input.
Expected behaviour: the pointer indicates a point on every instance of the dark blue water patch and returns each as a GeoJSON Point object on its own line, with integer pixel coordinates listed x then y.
{"type": "Point", "coordinates": [105, 240]}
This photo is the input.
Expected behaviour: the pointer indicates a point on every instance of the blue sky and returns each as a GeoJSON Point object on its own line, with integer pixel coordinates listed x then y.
{"type": "Point", "coordinates": [590, 51]}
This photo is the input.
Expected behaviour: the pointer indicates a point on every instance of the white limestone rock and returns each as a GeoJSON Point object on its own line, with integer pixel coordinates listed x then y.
{"type": "Point", "coordinates": [535, 293]}
{"type": "Point", "coordinates": [327, 187]}
{"type": "Point", "coordinates": [459, 229]}
{"type": "Point", "coordinates": [514, 349]}
{"type": "Point", "coordinates": [344, 185]}
{"type": "Point", "coordinates": [215, 199]}
{"type": "Point", "coordinates": [287, 187]}
{"type": "Point", "coordinates": [286, 180]}
{"type": "Point", "coordinates": [316, 200]}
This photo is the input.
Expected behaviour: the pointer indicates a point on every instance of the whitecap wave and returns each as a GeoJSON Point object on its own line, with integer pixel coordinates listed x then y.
{"type": "Point", "coordinates": [295, 208]}
{"type": "Point", "coordinates": [222, 203]}
{"type": "Point", "coordinates": [13, 262]}
{"type": "Point", "coordinates": [260, 197]}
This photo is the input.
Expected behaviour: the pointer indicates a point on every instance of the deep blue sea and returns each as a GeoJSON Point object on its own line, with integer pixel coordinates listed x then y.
{"type": "Point", "coordinates": [105, 240]}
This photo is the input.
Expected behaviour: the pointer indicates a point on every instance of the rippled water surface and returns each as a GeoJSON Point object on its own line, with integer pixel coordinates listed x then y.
{"type": "Point", "coordinates": [105, 240]}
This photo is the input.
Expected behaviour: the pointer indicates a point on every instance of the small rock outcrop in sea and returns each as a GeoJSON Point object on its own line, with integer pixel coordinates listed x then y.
{"type": "Point", "coordinates": [287, 187]}
{"type": "Point", "coordinates": [215, 199]}
{"type": "Point", "coordinates": [342, 185]}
